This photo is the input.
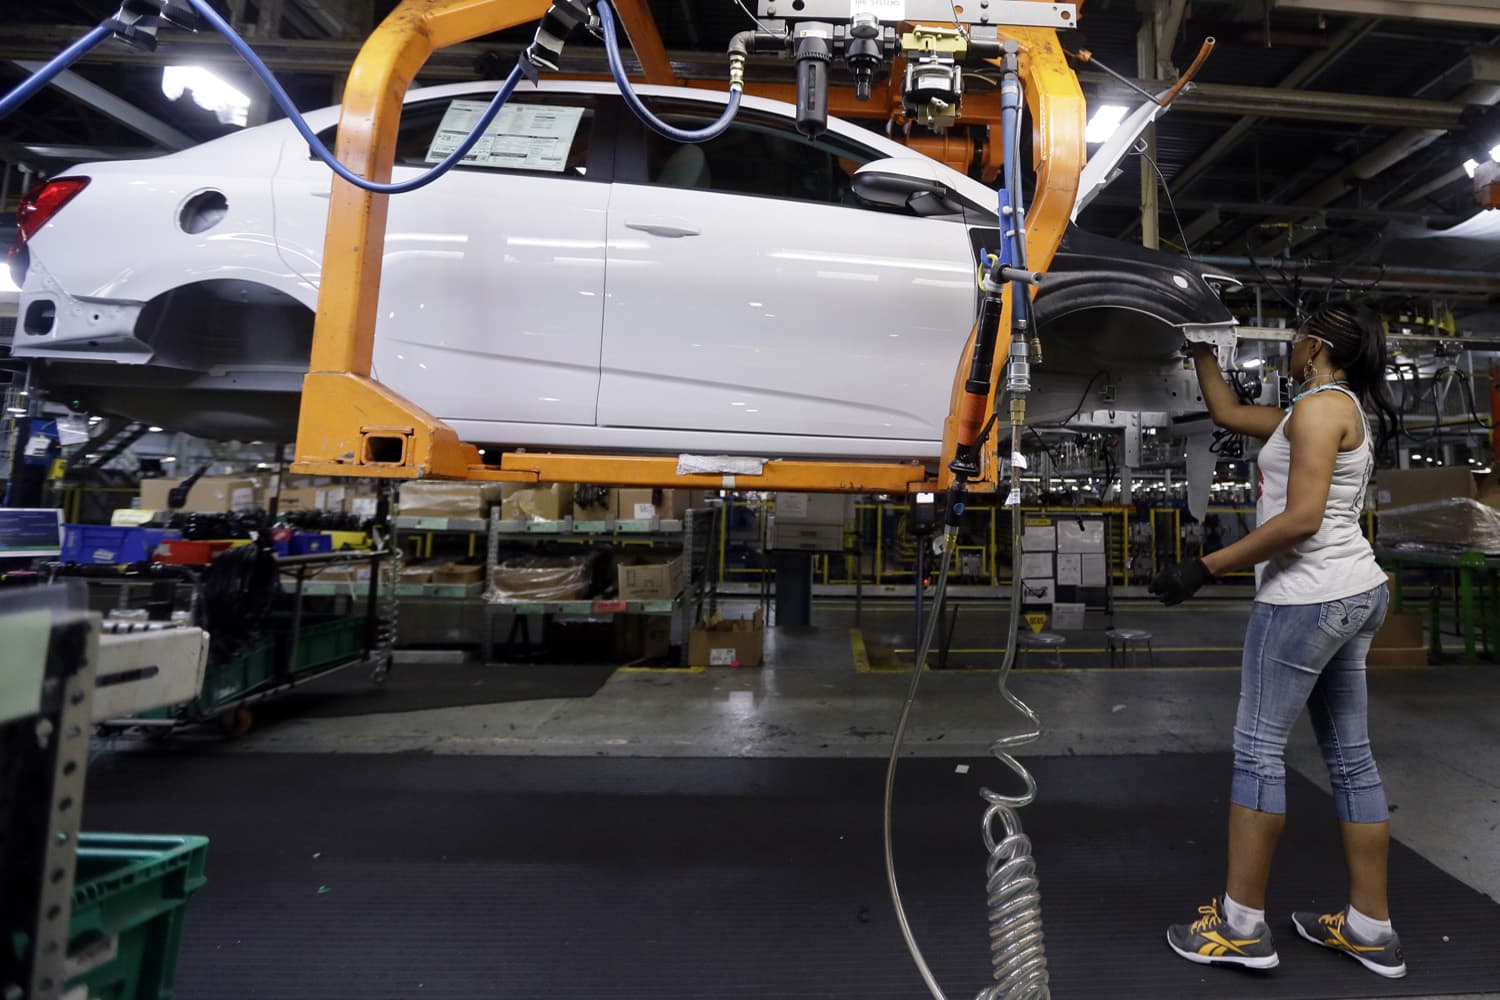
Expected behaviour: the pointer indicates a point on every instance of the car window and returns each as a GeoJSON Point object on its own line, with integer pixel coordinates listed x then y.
{"type": "Point", "coordinates": [759, 154]}
{"type": "Point", "coordinates": [536, 133]}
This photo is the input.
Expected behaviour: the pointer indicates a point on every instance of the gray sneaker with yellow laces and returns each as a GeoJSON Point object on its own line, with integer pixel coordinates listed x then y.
{"type": "Point", "coordinates": [1209, 940]}
{"type": "Point", "coordinates": [1384, 958]}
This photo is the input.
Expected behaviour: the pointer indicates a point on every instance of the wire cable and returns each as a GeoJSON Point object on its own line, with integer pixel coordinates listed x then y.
{"type": "Point", "coordinates": [1141, 151]}
{"type": "Point", "coordinates": [897, 741]}
{"type": "Point", "coordinates": [622, 80]}
{"type": "Point", "coordinates": [284, 102]}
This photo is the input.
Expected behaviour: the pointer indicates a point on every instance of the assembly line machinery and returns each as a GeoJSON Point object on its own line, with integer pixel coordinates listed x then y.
{"type": "Point", "coordinates": [905, 59]}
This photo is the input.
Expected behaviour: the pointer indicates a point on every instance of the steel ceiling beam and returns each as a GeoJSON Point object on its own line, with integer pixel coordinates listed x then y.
{"type": "Point", "coordinates": [114, 107]}
{"type": "Point", "coordinates": [335, 56]}
{"type": "Point", "coordinates": [1471, 12]}
{"type": "Point", "coordinates": [1343, 41]}
{"type": "Point", "coordinates": [1272, 209]}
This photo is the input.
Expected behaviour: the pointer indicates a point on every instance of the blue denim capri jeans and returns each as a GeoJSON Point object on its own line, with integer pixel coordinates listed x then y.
{"type": "Point", "coordinates": [1313, 655]}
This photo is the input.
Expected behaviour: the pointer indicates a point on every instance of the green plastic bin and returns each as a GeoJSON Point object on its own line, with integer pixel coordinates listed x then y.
{"type": "Point", "coordinates": [130, 897]}
{"type": "Point", "coordinates": [226, 681]}
{"type": "Point", "coordinates": [322, 641]}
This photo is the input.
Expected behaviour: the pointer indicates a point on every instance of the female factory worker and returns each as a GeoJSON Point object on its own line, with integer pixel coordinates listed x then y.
{"type": "Point", "coordinates": [1320, 597]}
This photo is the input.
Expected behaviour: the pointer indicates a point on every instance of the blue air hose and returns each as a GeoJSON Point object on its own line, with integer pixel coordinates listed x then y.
{"type": "Point", "coordinates": [617, 69]}
{"type": "Point", "coordinates": [36, 81]}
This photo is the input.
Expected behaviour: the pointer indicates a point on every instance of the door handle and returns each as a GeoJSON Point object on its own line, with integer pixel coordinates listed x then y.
{"type": "Point", "coordinates": [663, 229]}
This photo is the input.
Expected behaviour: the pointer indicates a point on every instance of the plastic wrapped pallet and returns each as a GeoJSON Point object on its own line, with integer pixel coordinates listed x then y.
{"type": "Point", "coordinates": [435, 498]}
{"type": "Point", "coordinates": [527, 579]}
{"type": "Point", "coordinates": [1459, 523]}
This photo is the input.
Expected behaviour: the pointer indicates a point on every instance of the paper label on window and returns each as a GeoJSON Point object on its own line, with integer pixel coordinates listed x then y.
{"type": "Point", "coordinates": [522, 136]}
{"type": "Point", "coordinates": [37, 445]}
{"type": "Point", "coordinates": [242, 499]}
{"type": "Point", "coordinates": [645, 511]}
{"type": "Point", "coordinates": [722, 657]}
{"type": "Point", "coordinates": [363, 507]}
{"type": "Point", "coordinates": [886, 10]}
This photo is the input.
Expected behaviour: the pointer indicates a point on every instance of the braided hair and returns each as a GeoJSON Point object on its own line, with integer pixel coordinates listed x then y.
{"type": "Point", "coordinates": [1355, 335]}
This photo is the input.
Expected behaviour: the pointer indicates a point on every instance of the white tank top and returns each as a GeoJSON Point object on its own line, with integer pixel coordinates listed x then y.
{"type": "Point", "coordinates": [1337, 562]}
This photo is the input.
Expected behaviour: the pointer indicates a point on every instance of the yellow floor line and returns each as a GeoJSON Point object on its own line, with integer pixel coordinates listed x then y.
{"type": "Point", "coordinates": [857, 647]}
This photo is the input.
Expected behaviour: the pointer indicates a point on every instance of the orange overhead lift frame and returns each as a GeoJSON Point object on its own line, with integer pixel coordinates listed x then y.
{"type": "Point", "coordinates": [351, 425]}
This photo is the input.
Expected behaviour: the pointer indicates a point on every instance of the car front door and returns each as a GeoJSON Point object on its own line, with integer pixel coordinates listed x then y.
{"type": "Point", "coordinates": [750, 292]}
{"type": "Point", "coordinates": [491, 298]}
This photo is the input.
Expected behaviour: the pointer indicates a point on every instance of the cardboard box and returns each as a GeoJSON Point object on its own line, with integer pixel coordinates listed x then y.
{"type": "Point", "coordinates": [814, 508]}
{"type": "Point", "coordinates": [1396, 488]}
{"type": "Point", "coordinates": [1402, 630]}
{"type": "Point", "coordinates": [416, 573]}
{"type": "Point", "coordinates": [361, 505]}
{"type": "Point", "coordinates": [730, 642]}
{"type": "Point", "coordinates": [601, 509]}
{"type": "Point", "coordinates": [802, 536]}
{"type": "Point", "coordinates": [330, 498]}
{"type": "Point", "coordinates": [209, 495]}
{"type": "Point", "coordinates": [457, 572]}
{"type": "Point", "coordinates": [448, 499]}
{"type": "Point", "coordinates": [552, 502]}
{"type": "Point", "coordinates": [642, 637]}
{"type": "Point", "coordinates": [650, 579]}
{"type": "Point", "coordinates": [647, 505]}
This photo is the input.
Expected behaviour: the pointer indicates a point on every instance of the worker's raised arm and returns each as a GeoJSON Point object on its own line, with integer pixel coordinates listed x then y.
{"type": "Point", "coordinates": [1224, 408]}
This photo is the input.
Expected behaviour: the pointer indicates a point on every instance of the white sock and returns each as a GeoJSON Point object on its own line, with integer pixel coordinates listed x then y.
{"type": "Point", "coordinates": [1242, 919]}
{"type": "Point", "coordinates": [1367, 928]}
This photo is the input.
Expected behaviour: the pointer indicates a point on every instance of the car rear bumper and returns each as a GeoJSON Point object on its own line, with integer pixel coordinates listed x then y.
{"type": "Point", "coordinates": [50, 323]}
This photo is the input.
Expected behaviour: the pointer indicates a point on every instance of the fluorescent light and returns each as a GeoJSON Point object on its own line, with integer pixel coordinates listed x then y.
{"type": "Point", "coordinates": [1102, 125]}
{"type": "Point", "coordinates": [154, 429]}
{"type": "Point", "coordinates": [168, 459]}
{"type": "Point", "coordinates": [209, 92]}
{"type": "Point", "coordinates": [1471, 165]}
{"type": "Point", "coordinates": [1495, 153]}
{"type": "Point", "coordinates": [1252, 362]}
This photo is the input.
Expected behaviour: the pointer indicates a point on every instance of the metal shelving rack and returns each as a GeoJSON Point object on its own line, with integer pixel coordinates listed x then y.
{"type": "Point", "coordinates": [692, 534]}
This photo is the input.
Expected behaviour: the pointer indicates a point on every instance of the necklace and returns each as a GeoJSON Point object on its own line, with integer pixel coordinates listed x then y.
{"type": "Point", "coordinates": [1314, 391]}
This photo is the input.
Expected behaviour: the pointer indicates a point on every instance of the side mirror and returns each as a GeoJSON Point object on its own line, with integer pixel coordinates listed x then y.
{"type": "Point", "coordinates": [912, 183]}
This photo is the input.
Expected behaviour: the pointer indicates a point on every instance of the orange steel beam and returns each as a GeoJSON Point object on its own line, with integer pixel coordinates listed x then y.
{"type": "Point", "coordinates": [347, 419]}
{"type": "Point", "coordinates": [350, 425]}
{"type": "Point", "coordinates": [645, 40]}
{"type": "Point", "coordinates": [1058, 118]}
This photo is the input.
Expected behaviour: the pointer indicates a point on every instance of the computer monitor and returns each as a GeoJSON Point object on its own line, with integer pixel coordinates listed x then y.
{"type": "Point", "coordinates": [30, 533]}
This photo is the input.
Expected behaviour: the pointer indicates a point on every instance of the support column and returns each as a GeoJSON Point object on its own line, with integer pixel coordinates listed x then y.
{"type": "Point", "coordinates": [1145, 46]}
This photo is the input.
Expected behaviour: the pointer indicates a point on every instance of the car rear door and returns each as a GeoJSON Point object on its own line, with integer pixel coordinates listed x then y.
{"type": "Point", "coordinates": [491, 299]}
{"type": "Point", "coordinates": [751, 291]}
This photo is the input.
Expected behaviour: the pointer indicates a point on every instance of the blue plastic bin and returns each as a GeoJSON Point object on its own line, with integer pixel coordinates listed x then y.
{"type": "Point", "coordinates": [106, 545]}
{"type": "Point", "coordinates": [311, 544]}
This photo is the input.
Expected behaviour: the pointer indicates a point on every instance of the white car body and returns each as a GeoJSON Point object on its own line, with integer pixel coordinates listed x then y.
{"type": "Point", "coordinates": [532, 308]}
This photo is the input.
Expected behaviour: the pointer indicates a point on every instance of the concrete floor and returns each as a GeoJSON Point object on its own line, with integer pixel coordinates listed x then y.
{"type": "Point", "coordinates": [1436, 730]}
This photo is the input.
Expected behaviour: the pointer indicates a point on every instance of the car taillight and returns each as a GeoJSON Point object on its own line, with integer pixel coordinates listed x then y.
{"type": "Point", "coordinates": [40, 204]}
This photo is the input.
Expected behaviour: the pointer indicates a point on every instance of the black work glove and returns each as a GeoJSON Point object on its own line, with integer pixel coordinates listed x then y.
{"type": "Point", "coordinates": [1176, 584]}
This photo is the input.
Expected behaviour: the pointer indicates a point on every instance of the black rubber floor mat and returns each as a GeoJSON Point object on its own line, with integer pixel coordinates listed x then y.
{"type": "Point", "coordinates": [415, 687]}
{"type": "Point", "coordinates": [406, 877]}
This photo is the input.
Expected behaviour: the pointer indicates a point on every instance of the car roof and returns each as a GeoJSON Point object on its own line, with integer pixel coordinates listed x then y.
{"type": "Point", "coordinates": [323, 117]}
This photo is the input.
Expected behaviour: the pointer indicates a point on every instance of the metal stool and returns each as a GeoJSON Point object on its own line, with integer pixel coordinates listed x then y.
{"type": "Point", "coordinates": [1044, 640]}
{"type": "Point", "coordinates": [1129, 642]}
